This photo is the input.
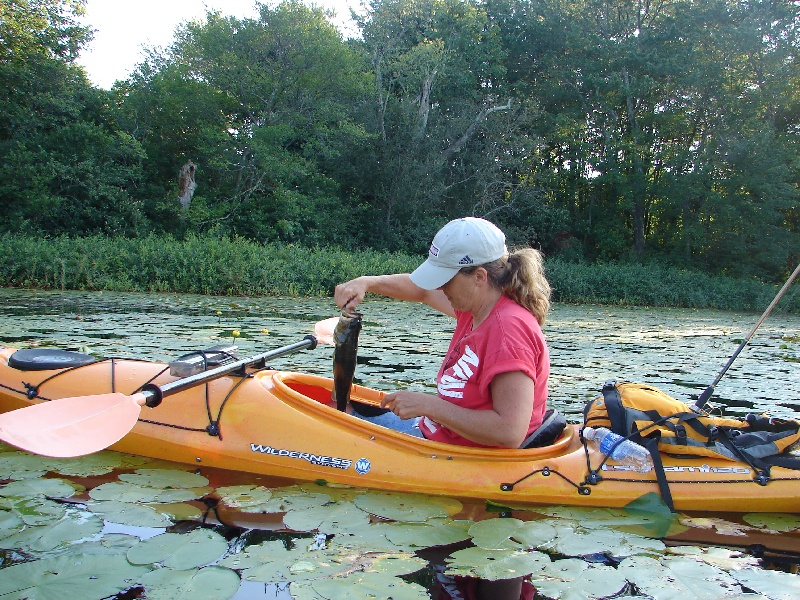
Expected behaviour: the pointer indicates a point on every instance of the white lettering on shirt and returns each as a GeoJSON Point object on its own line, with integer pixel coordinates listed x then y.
{"type": "Point", "coordinates": [452, 386]}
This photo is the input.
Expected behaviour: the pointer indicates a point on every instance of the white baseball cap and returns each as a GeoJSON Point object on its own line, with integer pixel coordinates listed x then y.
{"type": "Point", "coordinates": [461, 243]}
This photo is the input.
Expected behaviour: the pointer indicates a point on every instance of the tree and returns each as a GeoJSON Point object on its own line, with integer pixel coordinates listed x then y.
{"type": "Point", "coordinates": [64, 166]}
{"type": "Point", "coordinates": [260, 106]}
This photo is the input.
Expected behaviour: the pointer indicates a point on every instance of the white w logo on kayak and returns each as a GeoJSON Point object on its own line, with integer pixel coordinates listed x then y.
{"type": "Point", "coordinates": [452, 382]}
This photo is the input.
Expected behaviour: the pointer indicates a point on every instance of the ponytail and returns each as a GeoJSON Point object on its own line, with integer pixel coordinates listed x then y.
{"type": "Point", "coordinates": [521, 276]}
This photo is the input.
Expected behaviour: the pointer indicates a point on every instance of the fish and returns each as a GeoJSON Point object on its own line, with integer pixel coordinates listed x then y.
{"type": "Point", "coordinates": [345, 340]}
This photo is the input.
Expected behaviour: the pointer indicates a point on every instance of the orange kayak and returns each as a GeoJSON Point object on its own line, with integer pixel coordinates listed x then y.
{"type": "Point", "coordinates": [285, 424]}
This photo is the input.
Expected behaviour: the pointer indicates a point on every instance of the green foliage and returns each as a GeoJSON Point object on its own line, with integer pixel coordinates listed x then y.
{"type": "Point", "coordinates": [237, 266]}
{"type": "Point", "coordinates": [608, 132]}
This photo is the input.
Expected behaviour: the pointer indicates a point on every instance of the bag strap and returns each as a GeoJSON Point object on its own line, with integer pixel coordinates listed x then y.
{"type": "Point", "coordinates": [651, 443]}
{"type": "Point", "coordinates": [615, 408]}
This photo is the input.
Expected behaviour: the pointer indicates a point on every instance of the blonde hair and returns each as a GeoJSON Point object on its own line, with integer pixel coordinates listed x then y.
{"type": "Point", "coordinates": [520, 275]}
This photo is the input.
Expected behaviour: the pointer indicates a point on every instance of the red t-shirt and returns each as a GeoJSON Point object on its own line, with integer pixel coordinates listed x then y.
{"type": "Point", "coordinates": [509, 339]}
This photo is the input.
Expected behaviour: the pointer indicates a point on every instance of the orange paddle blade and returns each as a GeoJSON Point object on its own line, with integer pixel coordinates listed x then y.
{"type": "Point", "coordinates": [72, 426]}
{"type": "Point", "coordinates": [323, 330]}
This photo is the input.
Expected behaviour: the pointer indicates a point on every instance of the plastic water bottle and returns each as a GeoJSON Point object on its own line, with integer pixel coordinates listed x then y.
{"type": "Point", "coordinates": [626, 453]}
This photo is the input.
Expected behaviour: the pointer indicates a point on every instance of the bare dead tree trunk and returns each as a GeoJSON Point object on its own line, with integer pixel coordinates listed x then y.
{"type": "Point", "coordinates": [461, 142]}
{"type": "Point", "coordinates": [186, 184]}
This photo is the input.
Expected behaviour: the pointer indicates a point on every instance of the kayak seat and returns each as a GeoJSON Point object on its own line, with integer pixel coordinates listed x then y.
{"type": "Point", "coordinates": [548, 432]}
{"type": "Point", "coordinates": [48, 359]}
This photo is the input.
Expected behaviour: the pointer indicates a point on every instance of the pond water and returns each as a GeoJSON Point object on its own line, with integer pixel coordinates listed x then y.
{"type": "Point", "coordinates": [679, 351]}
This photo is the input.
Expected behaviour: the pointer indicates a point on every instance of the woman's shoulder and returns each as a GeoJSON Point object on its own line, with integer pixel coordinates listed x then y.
{"type": "Point", "coordinates": [511, 317]}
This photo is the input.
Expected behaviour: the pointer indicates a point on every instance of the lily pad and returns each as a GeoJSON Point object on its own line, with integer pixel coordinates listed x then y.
{"type": "Point", "coordinates": [496, 534]}
{"type": "Point", "coordinates": [772, 584]}
{"type": "Point", "coordinates": [180, 550]}
{"type": "Point", "coordinates": [209, 583]}
{"type": "Point", "coordinates": [331, 518]}
{"type": "Point", "coordinates": [178, 511]}
{"type": "Point", "coordinates": [397, 563]}
{"type": "Point", "coordinates": [575, 579]}
{"type": "Point", "coordinates": [537, 534]}
{"type": "Point", "coordinates": [10, 523]}
{"type": "Point", "coordinates": [86, 577]}
{"type": "Point", "coordinates": [33, 511]}
{"type": "Point", "coordinates": [494, 564]}
{"type": "Point", "coordinates": [125, 513]}
{"type": "Point", "coordinates": [721, 526]}
{"type": "Point", "coordinates": [52, 488]}
{"type": "Point", "coordinates": [164, 478]}
{"type": "Point", "coordinates": [369, 586]}
{"type": "Point", "coordinates": [773, 521]}
{"type": "Point", "coordinates": [99, 463]}
{"type": "Point", "coordinates": [722, 558]}
{"type": "Point", "coordinates": [71, 528]}
{"type": "Point", "coordinates": [244, 496]}
{"type": "Point", "coordinates": [271, 561]}
{"type": "Point", "coordinates": [19, 465]}
{"type": "Point", "coordinates": [434, 533]}
{"type": "Point", "coordinates": [600, 540]}
{"type": "Point", "coordinates": [412, 508]}
{"type": "Point", "coordinates": [677, 578]}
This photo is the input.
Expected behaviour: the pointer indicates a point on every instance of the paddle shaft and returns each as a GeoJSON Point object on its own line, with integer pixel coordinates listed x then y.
{"type": "Point", "coordinates": [704, 397]}
{"type": "Point", "coordinates": [154, 394]}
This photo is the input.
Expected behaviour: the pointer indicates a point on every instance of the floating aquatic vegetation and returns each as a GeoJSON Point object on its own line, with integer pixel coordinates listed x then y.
{"type": "Point", "coordinates": [772, 584]}
{"type": "Point", "coordinates": [197, 548]}
{"type": "Point", "coordinates": [129, 492]}
{"type": "Point", "coordinates": [208, 583]}
{"type": "Point", "coordinates": [51, 488]}
{"type": "Point", "coordinates": [33, 511]}
{"type": "Point", "coordinates": [675, 578]}
{"type": "Point", "coordinates": [164, 478]}
{"type": "Point", "coordinates": [73, 527]}
{"type": "Point", "coordinates": [494, 564]}
{"type": "Point", "coordinates": [575, 579]}
{"type": "Point", "coordinates": [100, 463]}
{"type": "Point", "coordinates": [580, 540]}
{"type": "Point", "coordinates": [723, 558]}
{"type": "Point", "coordinates": [436, 532]}
{"type": "Point", "coordinates": [359, 586]}
{"type": "Point", "coordinates": [721, 526]}
{"type": "Point", "coordinates": [179, 511]}
{"type": "Point", "coordinates": [414, 508]}
{"type": "Point", "coordinates": [244, 497]}
{"type": "Point", "coordinates": [496, 534]}
{"type": "Point", "coordinates": [89, 577]}
{"type": "Point", "coordinates": [773, 521]}
{"type": "Point", "coordinates": [339, 517]}
{"type": "Point", "coordinates": [125, 513]}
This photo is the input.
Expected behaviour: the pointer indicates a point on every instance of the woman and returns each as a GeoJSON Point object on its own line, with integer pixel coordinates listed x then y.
{"type": "Point", "coordinates": [492, 385]}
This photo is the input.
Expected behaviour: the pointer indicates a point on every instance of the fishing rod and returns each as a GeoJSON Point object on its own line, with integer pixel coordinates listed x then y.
{"type": "Point", "coordinates": [702, 401]}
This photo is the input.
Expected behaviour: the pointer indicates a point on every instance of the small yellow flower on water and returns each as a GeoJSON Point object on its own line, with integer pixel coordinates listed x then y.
{"type": "Point", "coordinates": [265, 331]}
{"type": "Point", "coordinates": [236, 333]}
{"type": "Point", "coordinates": [219, 312]}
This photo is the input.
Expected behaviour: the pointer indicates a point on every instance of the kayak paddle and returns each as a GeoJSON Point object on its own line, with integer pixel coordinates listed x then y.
{"type": "Point", "coordinates": [323, 330]}
{"type": "Point", "coordinates": [86, 424]}
{"type": "Point", "coordinates": [707, 393]}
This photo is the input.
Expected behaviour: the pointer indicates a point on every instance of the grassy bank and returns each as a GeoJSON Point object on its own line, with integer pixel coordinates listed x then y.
{"type": "Point", "coordinates": [240, 267]}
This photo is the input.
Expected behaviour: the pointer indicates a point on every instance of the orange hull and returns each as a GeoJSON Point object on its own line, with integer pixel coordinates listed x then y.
{"type": "Point", "coordinates": [283, 424]}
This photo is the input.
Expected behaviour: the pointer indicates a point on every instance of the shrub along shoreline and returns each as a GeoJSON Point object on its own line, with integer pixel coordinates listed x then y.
{"type": "Point", "coordinates": [239, 267]}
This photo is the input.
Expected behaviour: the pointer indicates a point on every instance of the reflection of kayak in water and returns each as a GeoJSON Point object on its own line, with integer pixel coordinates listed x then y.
{"type": "Point", "coordinates": [259, 420]}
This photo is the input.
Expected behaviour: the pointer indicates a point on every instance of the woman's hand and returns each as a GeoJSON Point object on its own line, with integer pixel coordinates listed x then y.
{"type": "Point", "coordinates": [409, 405]}
{"type": "Point", "coordinates": [350, 293]}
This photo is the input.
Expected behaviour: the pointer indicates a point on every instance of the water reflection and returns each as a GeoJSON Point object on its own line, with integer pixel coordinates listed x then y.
{"type": "Point", "coordinates": [677, 350]}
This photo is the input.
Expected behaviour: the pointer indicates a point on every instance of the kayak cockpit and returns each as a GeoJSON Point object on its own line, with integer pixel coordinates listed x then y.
{"type": "Point", "coordinates": [311, 395]}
